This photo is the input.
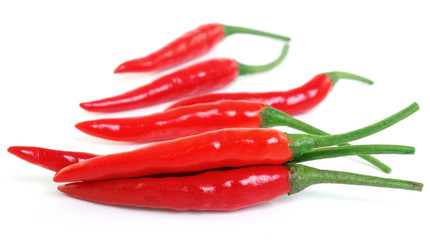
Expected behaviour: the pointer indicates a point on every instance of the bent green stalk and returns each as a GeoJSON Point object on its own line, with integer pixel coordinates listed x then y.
{"type": "Point", "coordinates": [249, 69]}
{"type": "Point", "coordinates": [369, 130]}
{"type": "Point", "coordinates": [302, 177]}
{"type": "Point", "coordinates": [229, 30]}
{"type": "Point", "coordinates": [271, 117]}
{"type": "Point", "coordinates": [336, 76]}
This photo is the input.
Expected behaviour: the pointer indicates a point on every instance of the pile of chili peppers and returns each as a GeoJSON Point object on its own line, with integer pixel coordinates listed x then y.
{"type": "Point", "coordinates": [214, 152]}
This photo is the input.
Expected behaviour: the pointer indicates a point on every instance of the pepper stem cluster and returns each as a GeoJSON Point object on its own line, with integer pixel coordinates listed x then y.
{"type": "Point", "coordinates": [306, 146]}
{"type": "Point", "coordinates": [271, 117]}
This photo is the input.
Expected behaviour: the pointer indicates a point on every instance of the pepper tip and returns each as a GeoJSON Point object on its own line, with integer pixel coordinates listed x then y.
{"type": "Point", "coordinates": [119, 69]}
{"type": "Point", "coordinates": [11, 150]}
{"type": "Point", "coordinates": [79, 126]}
{"type": "Point", "coordinates": [85, 106]}
{"type": "Point", "coordinates": [67, 174]}
{"type": "Point", "coordinates": [57, 177]}
{"type": "Point", "coordinates": [63, 188]}
{"type": "Point", "coordinates": [18, 151]}
{"type": "Point", "coordinates": [88, 127]}
{"type": "Point", "coordinates": [60, 188]}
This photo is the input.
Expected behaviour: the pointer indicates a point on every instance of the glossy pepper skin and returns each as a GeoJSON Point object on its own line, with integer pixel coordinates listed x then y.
{"type": "Point", "coordinates": [213, 190]}
{"type": "Point", "coordinates": [179, 122]}
{"type": "Point", "coordinates": [210, 150]}
{"type": "Point", "coordinates": [198, 78]}
{"type": "Point", "coordinates": [188, 46]}
{"type": "Point", "coordinates": [220, 190]}
{"type": "Point", "coordinates": [293, 102]}
{"type": "Point", "coordinates": [50, 159]}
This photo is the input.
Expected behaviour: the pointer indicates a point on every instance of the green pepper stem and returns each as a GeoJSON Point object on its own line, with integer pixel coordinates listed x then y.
{"type": "Point", "coordinates": [300, 143]}
{"type": "Point", "coordinates": [249, 69]}
{"type": "Point", "coordinates": [369, 130]}
{"type": "Point", "coordinates": [302, 177]}
{"type": "Point", "coordinates": [271, 117]}
{"type": "Point", "coordinates": [331, 152]}
{"type": "Point", "coordinates": [228, 30]}
{"type": "Point", "coordinates": [335, 76]}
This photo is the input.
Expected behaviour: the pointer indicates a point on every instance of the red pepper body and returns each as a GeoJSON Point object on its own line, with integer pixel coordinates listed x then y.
{"type": "Point", "coordinates": [188, 46]}
{"type": "Point", "coordinates": [213, 190]}
{"type": "Point", "coordinates": [198, 78]}
{"type": "Point", "coordinates": [294, 101]}
{"type": "Point", "coordinates": [47, 158]}
{"type": "Point", "coordinates": [212, 150]}
{"type": "Point", "coordinates": [178, 122]}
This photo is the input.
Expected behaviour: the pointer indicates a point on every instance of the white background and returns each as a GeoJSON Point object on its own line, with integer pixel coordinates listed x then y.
{"type": "Point", "coordinates": [55, 54]}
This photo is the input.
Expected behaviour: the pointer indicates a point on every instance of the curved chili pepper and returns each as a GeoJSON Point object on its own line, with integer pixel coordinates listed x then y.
{"type": "Point", "coordinates": [226, 148]}
{"type": "Point", "coordinates": [53, 160]}
{"type": "Point", "coordinates": [226, 190]}
{"type": "Point", "coordinates": [188, 46]}
{"type": "Point", "coordinates": [181, 122]}
{"type": "Point", "coordinates": [294, 101]}
{"type": "Point", "coordinates": [198, 78]}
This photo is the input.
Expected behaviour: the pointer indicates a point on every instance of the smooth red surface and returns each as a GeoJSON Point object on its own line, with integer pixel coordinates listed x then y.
{"type": "Point", "coordinates": [188, 46]}
{"type": "Point", "coordinates": [178, 122]}
{"type": "Point", "coordinates": [211, 150]}
{"type": "Point", "coordinates": [198, 78]}
{"type": "Point", "coordinates": [213, 190]}
{"type": "Point", "coordinates": [53, 160]}
{"type": "Point", "coordinates": [293, 102]}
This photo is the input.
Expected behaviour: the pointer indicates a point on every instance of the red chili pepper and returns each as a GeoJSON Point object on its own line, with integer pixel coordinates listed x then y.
{"type": "Point", "coordinates": [184, 121]}
{"type": "Point", "coordinates": [294, 101]}
{"type": "Point", "coordinates": [50, 159]}
{"type": "Point", "coordinates": [228, 148]}
{"type": "Point", "coordinates": [53, 160]}
{"type": "Point", "coordinates": [189, 46]}
{"type": "Point", "coordinates": [198, 78]}
{"type": "Point", "coordinates": [220, 190]}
